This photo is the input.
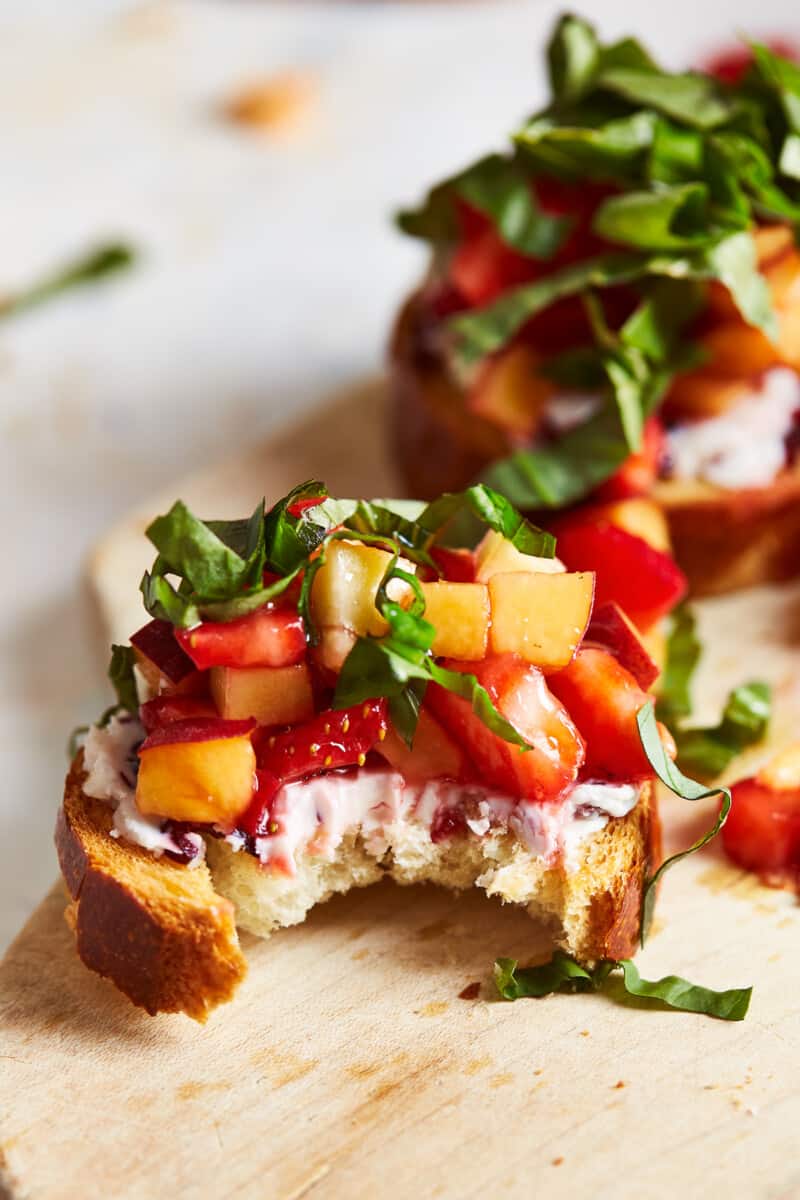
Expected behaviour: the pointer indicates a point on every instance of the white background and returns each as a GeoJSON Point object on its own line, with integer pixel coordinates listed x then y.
{"type": "Point", "coordinates": [267, 277]}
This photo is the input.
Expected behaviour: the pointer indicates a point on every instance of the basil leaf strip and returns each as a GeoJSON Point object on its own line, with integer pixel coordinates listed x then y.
{"type": "Point", "coordinates": [564, 974]}
{"type": "Point", "coordinates": [683, 655]}
{"type": "Point", "coordinates": [120, 672]}
{"type": "Point", "coordinates": [681, 785]}
{"type": "Point", "coordinates": [98, 264]}
{"type": "Point", "coordinates": [744, 722]}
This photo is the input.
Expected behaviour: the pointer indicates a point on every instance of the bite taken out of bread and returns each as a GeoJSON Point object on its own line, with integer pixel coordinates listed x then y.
{"type": "Point", "coordinates": [332, 693]}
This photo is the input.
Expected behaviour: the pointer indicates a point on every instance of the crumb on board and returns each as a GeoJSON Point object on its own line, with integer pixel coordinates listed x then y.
{"type": "Point", "coordinates": [558, 1161]}
{"type": "Point", "coordinates": [619, 1084]}
{"type": "Point", "coordinates": [271, 104]}
{"type": "Point", "coordinates": [471, 991]}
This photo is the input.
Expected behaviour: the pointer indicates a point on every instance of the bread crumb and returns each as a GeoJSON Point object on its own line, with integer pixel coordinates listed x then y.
{"type": "Point", "coordinates": [470, 992]}
{"type": "Point", "coordinates": [619, 1084]}
{"type": "Point", "coordinates": [585, 1033]}
{"type": "Point", "coordinates": [272, 104]}
{"type": "Point", "coordinates": [558, 1161]}
{"type": "Point", "coordinates": [434, 1009]}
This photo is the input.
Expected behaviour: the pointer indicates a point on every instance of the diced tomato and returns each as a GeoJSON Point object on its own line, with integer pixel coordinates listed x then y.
{"type": "Point", "coordinates": [270, 637]}
{"type": "Point", "coordinates": [165, 709]}
{"type": "Point", "coordinates": [329, 741]}
{"type": "Point", "coordinates": [730, 65]}
{"type": "Point", "coordinates": [646, 583]}
{"type": "Point", "coordinates": [458, 566]}
{"type": "Point", "coordinates": [519, 692]}
{"type": "Point", "coordinates": [156, 641]}
{"type": "Point", "coordinates": [433, 755]}
{"type": "Point", "coordinates": [762, 832]}
{"type": "Point", "coordinates": [639, 472]}
{"type": "Point", "coordinates": [603, 699]}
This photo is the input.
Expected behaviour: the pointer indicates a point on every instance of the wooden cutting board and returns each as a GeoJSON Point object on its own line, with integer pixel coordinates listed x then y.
{"type": "Point", "coordinates": [349, 1066]}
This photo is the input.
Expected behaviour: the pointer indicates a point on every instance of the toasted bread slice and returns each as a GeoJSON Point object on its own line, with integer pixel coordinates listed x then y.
{"type": "Point", "coordinates": [166, 937]}
{"type": "Point", "coordinates": [157, 929]}
{"type": "Point", "coordinates": [722, 539]}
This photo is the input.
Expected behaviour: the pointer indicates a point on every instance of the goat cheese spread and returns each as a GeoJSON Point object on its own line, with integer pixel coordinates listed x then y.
{"type": "Point", "coordinates": [744, 447]}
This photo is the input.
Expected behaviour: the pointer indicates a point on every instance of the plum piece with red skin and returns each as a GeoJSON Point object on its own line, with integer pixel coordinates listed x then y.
{"type": "Point", "coordinates": [157, 642]}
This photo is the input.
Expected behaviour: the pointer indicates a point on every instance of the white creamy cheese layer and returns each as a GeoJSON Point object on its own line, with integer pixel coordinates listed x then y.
{"type": "Point", "coordinates": [312, 816]}
{"type": "Point", "coordinates": [107, 757]}
{"type": "Point", "coordinates": [744, 447]}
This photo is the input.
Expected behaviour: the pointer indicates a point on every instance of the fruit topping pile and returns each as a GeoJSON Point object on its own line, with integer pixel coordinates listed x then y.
{"type": "Point", "coordinates": [444, 641]}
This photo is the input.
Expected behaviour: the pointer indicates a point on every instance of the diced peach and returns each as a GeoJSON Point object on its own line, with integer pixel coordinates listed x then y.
{"type": "Point", "coordinates": [271, 695]}
{"type": "Point", "coordinates": [772, 242]}
{"type": "Point", "coordinates": [789, 335]}
{"type": "Point", "coordinates": [511, 392]}
{"type": "Point", "coordinates": [495, 555]}
{"type": "Point", "coordinates": [701, 394]}
{"type": "Point", "coordinates": [433, 755]}
{"type": "Point", "coordinates": [540, 617]}
{"type": "Point", "coordinates": [459, 612]}
{"type": "Point", "coordinates": [782, 772]}
{"type": "Point", "coordinates": [205, 782]}
{"type": "Point", "coordinates": [335, 643]}
{"type": "Point", "coordinates": [783, 277]}
{"type": "Point", "coordinates": [643, 518]}
{"type": "Point", "coordinates": [654, 641]}
{"type": "Point", "coordinates": [344, 588]}
{"type": "Point", "coordinates": [736, 349]}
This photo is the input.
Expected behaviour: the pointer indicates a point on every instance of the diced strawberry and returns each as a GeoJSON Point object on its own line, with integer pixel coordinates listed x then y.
{"type": "Point", "coordinates": [256, 820]}
{"type": "Point", "coordinates": [730, 65]}
{"type": "Point", "coordinates": [646, 583]}
{"type": "Point", "coordinates": [165, 709]}
{"type": "Point", "coordinates": [457, 566]}
{"type": "Point", "coordinates": [156, 641]}
{"type": "Point", "coordinates": [639, 472]}
{"type": "Point", "coordinates": [298, 507]}
{"type": "Point", "coordinates": [483, 267]}
{"type": "Point", "coordinates": [327, 742]}
{"type": "Point", "coordinates": [519, 692]}
{"type": "Point", "coordinates": [603, 699]}
{"type": "Point", "coordinates": [433, 755]}
{"type": "Point", "coordinates": [269, 637]}
{"type": "Point", "coordinates": [762, 832]}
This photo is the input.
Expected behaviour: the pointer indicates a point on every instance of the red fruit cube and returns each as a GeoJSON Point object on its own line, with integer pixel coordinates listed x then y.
{"type": "Point", "coordinates": [603, 699]}
{"type": "Point", "coordinates": [762, 832]}
{"type": "Point", "coordinates": [639, 472]}
{"type": "Point", "coordinates": [329, 741]}
{"type": "Point", "coordinates": [645, 583]}
{"type": "Point", "coordinates": [519, 692]}
{"type": "Point", "coordinates": [269, 637]}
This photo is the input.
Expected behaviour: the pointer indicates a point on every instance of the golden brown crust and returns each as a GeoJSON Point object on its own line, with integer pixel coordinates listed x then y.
{"type": "Point", "coordinates": [157, 929]}
{"type": "Point", "coordinates": [439, 445]}
{"type": "Point", "coordinates": [722, 539]}
{"type": "Point", "coordinates": [728, 540]}
{"type": "Point", "coordinates": [615, 912]}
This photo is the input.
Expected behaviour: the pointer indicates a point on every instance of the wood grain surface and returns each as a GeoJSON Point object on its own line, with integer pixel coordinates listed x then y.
{"type": "Point", "coordinates": [349, 1065]}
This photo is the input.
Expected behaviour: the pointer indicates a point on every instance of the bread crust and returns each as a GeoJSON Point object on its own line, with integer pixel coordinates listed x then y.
{"type": "Point", "coordinates": [157, 929]}
{"type": "Point", "coordinates": [614, 927]}
{"type": "Point", "coordinates": [167, 939]}
{"type": "Point", "coordinates": [723, 540]}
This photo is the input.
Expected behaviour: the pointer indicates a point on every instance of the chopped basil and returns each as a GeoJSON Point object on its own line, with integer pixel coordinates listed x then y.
{"type": "Point", "coordinates": [98, 264]}
{"type": "Point", "coordinates": [745, 719]}
{"type": "Point", "coordinates": [400, 666]}
{"type": "Point", "coordinates": [564, 974]}
{"type": "Point", "coordinates": [681, 785]}
{"type": "Point", "coordinates": [683, 655]}
{"type": "Point", "coordinates": [499, 188]}
{"type": "Point", "coordinates": [120, 672]}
